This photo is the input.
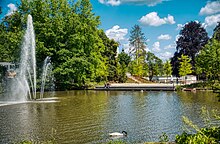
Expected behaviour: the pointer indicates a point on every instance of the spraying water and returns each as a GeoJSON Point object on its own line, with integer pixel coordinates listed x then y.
{"type": "Point", "coordinates": [22, 86]}
{"type": "Point", "coordinates": [47, 76]}
{"type": "Point", "coordinates": [27, 69]}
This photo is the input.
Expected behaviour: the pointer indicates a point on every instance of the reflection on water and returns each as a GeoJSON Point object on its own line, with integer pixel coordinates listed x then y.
{"type": "Point", "coordinates": [88, 116]}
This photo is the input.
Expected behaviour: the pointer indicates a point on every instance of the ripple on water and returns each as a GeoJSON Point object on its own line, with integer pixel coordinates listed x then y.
{"type": "Point", "coordinates": [88, 117]}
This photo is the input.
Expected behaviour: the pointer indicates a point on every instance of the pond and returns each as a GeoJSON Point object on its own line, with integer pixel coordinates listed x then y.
{"type": "Point", "coordinates": [89, 116]}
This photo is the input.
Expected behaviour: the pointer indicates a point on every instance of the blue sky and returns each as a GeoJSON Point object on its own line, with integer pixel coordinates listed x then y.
{"type": "Point", "coordinates": [160, 20]}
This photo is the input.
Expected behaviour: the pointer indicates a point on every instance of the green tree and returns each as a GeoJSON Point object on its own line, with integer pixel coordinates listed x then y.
{"type": "Point", "coordinates": [167, 68]}
{"type": "Point", "coordinates": [124, 58]}
{"type": "Point", "coordinates": [137, 50]}
{"type": "Point", "coordinates": [185, 65]}
{"type": "Point", "coordinates": [216, 33]}
{"type": "Point", "coordinates": [208, 59]}
{"type": "Point", "coordinates": [67, 31]}
{"type": "Point", "coordinates": [155, 65]}
{"type": "Point", "coordinates": [137, 42]}
{"type": "Point", "coordinates": [110, 54]}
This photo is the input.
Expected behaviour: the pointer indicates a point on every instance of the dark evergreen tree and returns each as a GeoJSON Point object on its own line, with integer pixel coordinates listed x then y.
{"type": "Point", "coordinates": [137, 42]}
{"type": "Point", "coordinates": [216, 33]}
{"type": "Point", "coordinates": [124, 58]}
{"type": "Point", "coordinates": [193, 38]}
{"type": "Point", "coordinates": [155, 65]}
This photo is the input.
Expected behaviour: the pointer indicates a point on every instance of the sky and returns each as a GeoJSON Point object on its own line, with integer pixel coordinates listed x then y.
{"type": "Point", "coordinates": [160, 20]}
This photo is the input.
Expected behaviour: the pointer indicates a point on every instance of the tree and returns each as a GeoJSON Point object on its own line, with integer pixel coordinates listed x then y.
{"type": "Point", "coordinates": [137, 50]}
{"type": "Point", "coordinates": [0, 10]}
{"type": "Point", "coordinates": [216, 33]}
{"type": "Point", "coordinates": [124, 58]}
{"type": "Point", "coordinates": [110, 54]}
{"type": "Point", "coordinates": [208, 60]}
{"type": "Point", "coordinates": [185, 65]}
{"type": "Point", "coordinates": [137, 42]}
{"type": "Point", "coordinates": [192, 39]}
{"type": "Point", "coordinates": [167, 68]}
{"type": "Point", "coordinates": [155, 65]}
{"type": "Point", "coordinates": [68, 33]}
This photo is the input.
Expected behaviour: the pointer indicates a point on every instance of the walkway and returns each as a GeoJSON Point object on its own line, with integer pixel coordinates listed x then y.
{"type": "Point", "coordinates": [138, 87]}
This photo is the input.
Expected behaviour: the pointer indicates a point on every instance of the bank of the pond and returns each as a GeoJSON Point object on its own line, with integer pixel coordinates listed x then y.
{"type": "Point", "coordinates": [136, 87]}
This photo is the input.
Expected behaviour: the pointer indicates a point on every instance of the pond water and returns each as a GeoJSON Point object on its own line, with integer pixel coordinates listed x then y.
{"type": "Point", "coordinates": [77, 117]}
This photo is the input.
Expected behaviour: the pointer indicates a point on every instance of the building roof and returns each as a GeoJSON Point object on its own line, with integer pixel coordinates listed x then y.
{"type": "Point", "coordinates": [6, 64]}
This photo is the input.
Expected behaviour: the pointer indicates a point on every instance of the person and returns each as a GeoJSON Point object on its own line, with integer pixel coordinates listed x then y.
{"type": "Point", "coordinates": [108, 85]}
{"type": "Point", "coordinates": [171, 80]}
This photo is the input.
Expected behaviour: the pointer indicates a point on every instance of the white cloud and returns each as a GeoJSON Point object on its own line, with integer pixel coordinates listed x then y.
{"type": "Point", "coordinates": [126, 47]}
{"type": "Point", "coordinates": [210, 8]}
{"type": "Point", "coordinates": [177, 37]}
{"type": "Point", "coordinates": [156, 47]}
{"type": "Point", "coordinates": [116, 33]}
{"type": "Point", "coordinates": [164, 37]}
{"type": "Point", "coordinates": [179, 26]}
{"type": "Point", "coordinates": [136, 2]}
{"type": "Point", "coordinates": [165, 55]}
{"type": "Point", "coordinates": [12, 9]}
{"type": "Point", "coordinates": [170, 46]}
{"type": "Point", "coordinates": [212, 20]}
{"type": "Point", "coordinates": [153, 19]}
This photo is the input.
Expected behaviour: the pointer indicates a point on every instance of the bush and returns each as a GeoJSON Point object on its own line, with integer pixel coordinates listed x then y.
{"type": "Point", "coordinates": [205, 136]}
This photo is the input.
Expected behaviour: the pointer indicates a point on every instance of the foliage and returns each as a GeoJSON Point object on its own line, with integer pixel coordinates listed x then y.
{"type": "Point", "coordinates": [185, 66]}
{"type": "Point", "coordinates": [216, 34]}
{"type": "Point", "coordinates": [192, 39]}
{"type": "Point", "coordinates": [155, 65]}
{"type": "Point", "coordinates": [110, 54]}
{"type": "Point", "coordinates": [116, 142]}
{"type": "Point", "coordinates": [164, 137]}
{"type": "Point", "coordinates": [34, 142]}
{"type": "Point", "coordinates": [68, 33]}
{"type": "Point", "coordinates": [167, 68]}
{"type": "Point", "coordinates": [124, 60]}
{"type": "Point", "coordinates": [210, 134]}
{"type": "Point", "coordinates": [208, 60]}
{"type": "Point", "coordinates": [137, 41]}
{"type": "Point", "coordinates": [137, 50]}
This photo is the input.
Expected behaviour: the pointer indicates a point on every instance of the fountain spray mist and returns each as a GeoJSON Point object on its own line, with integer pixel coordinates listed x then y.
{"type": "Point", "coordinates": [20, 89]}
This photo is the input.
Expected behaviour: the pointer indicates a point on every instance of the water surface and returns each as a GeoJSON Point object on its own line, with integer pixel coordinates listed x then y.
{"type": "Point", "coordinates": [88, 116]}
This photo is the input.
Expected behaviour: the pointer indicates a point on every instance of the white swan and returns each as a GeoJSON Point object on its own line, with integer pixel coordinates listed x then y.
{"type": "Point", "coordinates": [117, 134]}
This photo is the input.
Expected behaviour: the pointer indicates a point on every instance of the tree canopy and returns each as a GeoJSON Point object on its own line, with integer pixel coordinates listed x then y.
{"type": "Point", "coordinates": [216, 33]}
{"type": "Point", "coordinates": [68, 32]}
{"type": "Point", "coordinates": [137, 50]}
{"type": "Point", "coordinates": [191, 40]}
{"type": "Point", "coordinates": [167, 68]}
{"type": "Point", "coordinates": [185, 65]}
{"type": "Point", "coordinates": [208, 60]}
{"type": "Point", "coordinates": [137, 42]}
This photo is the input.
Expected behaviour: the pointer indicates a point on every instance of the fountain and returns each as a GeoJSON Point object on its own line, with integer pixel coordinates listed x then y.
{"type": "Point", "coordinates": [47, 76]}
{"type": "Point", "coordinates": [22, 86]}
